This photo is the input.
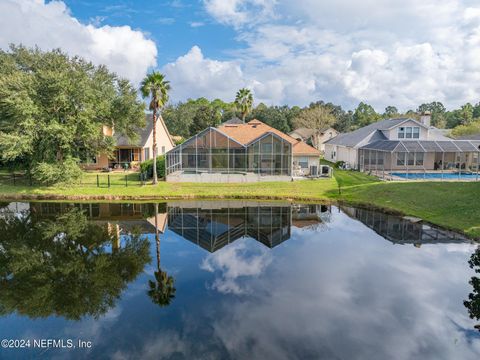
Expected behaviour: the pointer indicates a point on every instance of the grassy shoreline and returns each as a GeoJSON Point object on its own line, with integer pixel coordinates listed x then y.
{"type": "Point", "coordinates": [453, 205]}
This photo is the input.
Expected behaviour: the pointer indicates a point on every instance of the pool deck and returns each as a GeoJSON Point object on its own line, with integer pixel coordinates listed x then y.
{"type": "Point", "coordinates": [389, 176]}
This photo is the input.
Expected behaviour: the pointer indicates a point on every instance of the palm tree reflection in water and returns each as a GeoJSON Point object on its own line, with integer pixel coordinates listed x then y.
{"type": "Point", "coordinates": [162, 290]}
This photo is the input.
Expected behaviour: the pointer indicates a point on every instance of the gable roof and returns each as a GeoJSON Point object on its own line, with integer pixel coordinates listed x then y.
{"type": "Point", "coordinates": [143, 133]}
{"type": "Point", "coordinates": [354, 138]}
{"type": "Point", "coordinates": [254, 129]}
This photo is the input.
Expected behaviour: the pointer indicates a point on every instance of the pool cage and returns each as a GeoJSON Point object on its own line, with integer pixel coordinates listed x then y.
{"type": "Point", "coordinates": [422, 156]}
{"type": "Point", "coordinates": [212, 151]}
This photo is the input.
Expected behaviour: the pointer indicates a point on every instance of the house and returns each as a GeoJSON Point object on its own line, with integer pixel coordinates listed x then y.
{"type": "Point", "coordinates": [402, 144]}
{"type": "Point", "coordinates": [129, 153]}
{"type": "Point", "coordinates": [241, 152]}
{"type": "Point", "coordinates": [316, 138]}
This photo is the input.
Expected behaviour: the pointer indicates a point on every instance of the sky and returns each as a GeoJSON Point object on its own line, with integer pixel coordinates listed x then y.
{"type": "Point", "coordinates": [383, 52]}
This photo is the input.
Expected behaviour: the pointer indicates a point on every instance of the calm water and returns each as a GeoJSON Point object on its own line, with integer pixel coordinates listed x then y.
{"type": "Point", "coordinates": [239, 280]}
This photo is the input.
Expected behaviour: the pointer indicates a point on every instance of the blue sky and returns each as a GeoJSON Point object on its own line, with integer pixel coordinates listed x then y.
{"type": "Point", "coordinates": [383, 52]}
{"type": "Point", "coordinates": [175, 26]}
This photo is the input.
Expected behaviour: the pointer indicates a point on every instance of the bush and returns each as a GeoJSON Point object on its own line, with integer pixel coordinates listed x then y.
{"type": "Point", "coordinates": [67, 172]}
{"type": "Point", "coordinates": [339, 164]}
{"type": "Point", "coordinates": [147, 167]}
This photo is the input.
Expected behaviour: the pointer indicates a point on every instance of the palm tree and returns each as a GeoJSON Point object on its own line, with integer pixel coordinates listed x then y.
{"type": "Point", "coordinates": [156, 87]}
{"type": "Point", "coordinates": [244, 102]}
{"type": "Point", "coordinates": [162, 290]}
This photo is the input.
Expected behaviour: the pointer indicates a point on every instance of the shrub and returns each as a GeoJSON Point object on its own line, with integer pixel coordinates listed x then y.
{"type": "Point", "coordinates": [147, 167]}
{"type": "Point", "coordinates": [67, 172]}
{"type": "Point", "coordinates": [339, 164]}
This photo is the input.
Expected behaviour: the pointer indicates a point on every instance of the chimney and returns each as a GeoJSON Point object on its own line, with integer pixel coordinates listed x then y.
{"type": "Point", "coordinates": [425, 118]}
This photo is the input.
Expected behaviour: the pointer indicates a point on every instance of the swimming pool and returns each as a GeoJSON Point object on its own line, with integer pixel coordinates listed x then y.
{"type": "Point", "coordinates": [436, 175]}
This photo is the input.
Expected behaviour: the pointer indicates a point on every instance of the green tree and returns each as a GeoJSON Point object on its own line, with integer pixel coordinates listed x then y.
{"type": "Point", "coordinates": [364, 115]}
{"type": "Point", "coordinates": [244, 102]}
{"type": "Point", "coordinates": [205, 116]}
{"type": "Point", "coordinates": [156, 87]}
{"type": "Point", "coordinates": [471, 129]}
{"type": "Point", "coordinates": [316, 118]}
{"type": "Point", "coordinates": [64, 266]}
{"type": "Point", "coordinates": [473, 302]}
{"type": "Point", "coordinates": [53, 108]}
{"type": "Point", "coordinates": [437, 111]}
{"type": "Point", "coordinates": [390, 112]}
{"type": "Point", "coordinates": [162, 290]}
{"type": "Point", "coordinates": [467, 113]}
{"type": "Point", "coordinates": [274, 116]}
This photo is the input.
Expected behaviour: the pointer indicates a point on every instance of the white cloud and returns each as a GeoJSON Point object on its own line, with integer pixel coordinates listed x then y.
{"type": "Point", "coordinates": [394, 52]}
{"type": "Point", "coordinates": [240, 12]}
{"type": "Point", "coordinates": [193, 75]}
{"type": "Point", "coordinates": [50, 25]}
{"type": "Point", "coordinates": [236, 262]}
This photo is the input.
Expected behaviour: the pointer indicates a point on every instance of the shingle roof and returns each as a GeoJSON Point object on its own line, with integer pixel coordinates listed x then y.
{"type": "Point", "coordinates": [469, 137]}
{"type": "Point", "coordinates": [143, 133]}
{"type": "Point", "coordinates": [354, 138]}
{"type": "Point", "coordinates": [251, 131]}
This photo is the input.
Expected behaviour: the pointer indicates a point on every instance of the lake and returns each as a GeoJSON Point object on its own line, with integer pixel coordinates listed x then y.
{"type": "Point", "coordinates": [232, 280]}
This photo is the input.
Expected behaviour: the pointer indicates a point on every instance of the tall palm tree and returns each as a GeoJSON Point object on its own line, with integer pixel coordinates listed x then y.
{"type": "Point", "coordinates": [156, 87]}
{"type": "Point", "coordinates": [244, 102]}
{"type": "Point", "coordinates": [162, 290]}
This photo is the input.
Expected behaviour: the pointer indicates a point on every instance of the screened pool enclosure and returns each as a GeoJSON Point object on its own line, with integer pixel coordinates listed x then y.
{"type": "Point", "coordinates": [212, 151]}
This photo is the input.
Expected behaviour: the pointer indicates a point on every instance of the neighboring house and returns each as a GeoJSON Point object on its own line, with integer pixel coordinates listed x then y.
{"type": "Point", "coordinates": [238, 152]}
{"type": "Point", "coordinates": [315, 137]}
{"type": "Point", "coordinates": [128, 152]}
{"type": "Point", "coordinates": [402, 144]}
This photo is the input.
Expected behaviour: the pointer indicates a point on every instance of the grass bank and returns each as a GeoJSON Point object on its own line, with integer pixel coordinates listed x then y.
{"type": "Point", "coordinates": [453, 205]}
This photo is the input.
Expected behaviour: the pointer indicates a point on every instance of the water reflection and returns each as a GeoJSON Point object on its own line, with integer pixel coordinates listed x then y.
{"type": "Point", "coordinates": [69, 267]}
{"type": "Point", "coordinates": [403, 230]}
{"type": "Point", "coordinates": [473, 302]}
{"type": "Point", "coordinates": [253, 280]}
{"type": "Point", "coordinates": [212, 227]}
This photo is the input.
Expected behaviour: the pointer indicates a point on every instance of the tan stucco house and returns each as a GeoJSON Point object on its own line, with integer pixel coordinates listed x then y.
{"type": "Point", "coordinates": [317, 138]}
{"type": "Point", "coordinates": [130, 153]}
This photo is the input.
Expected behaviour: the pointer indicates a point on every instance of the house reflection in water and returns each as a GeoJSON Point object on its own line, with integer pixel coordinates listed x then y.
{"type": "Point", "coordinates": [120, 218]}
{"type": "Point", "coordinates": [400, 230]}
{"type": "Point", "coordinates": [213, 225]}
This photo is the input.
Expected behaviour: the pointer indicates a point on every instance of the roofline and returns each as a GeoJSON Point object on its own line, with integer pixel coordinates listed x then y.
{"type": "Point", "coordinates": [264, 135]}
{"type": "Point", "coordinates": [407, 119]}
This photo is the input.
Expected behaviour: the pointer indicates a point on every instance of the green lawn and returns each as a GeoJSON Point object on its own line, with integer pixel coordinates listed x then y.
{"type": "Point", "coordinates": [450, 204]}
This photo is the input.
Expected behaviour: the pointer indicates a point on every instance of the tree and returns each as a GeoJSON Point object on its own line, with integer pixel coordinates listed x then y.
{"type": "Point", "coordinates": [65, 266]}
{"type": "Point", "coordinates": [467, 114]}
{"type": "Point", "coordinates": [364, 115]}
{"type": "Point", "coordinates": [390, 111]}
{"type": "Point", "coordinates": [471, 129]}
{"type": "Point", "coordinates": [473, 302]}
{"type": "Point", "coordinates": [244, 102]}
{"type": "Point", "coordinates": [53, 108]}
{"type": "Point", "coordinates": [316, 118]}
{"type": "Point", "coordinates": [204, 117]}
{"type": "Point", "coordinates": [162, 290]}
{"type": "Point", "coordinates": [156, 87]}
{"type": "Point", "coordinates": [274, 116]}
{"type": "Point", "coordinates": [437, 111]}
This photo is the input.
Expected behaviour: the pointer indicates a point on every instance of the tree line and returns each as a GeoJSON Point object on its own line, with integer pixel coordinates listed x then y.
{"type": "Point", "coordinates": [189, 117]}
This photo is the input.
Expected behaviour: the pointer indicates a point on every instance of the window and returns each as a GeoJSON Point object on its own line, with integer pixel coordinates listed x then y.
{"type": "Point", "coordinates": [147, 153]}
{"type": "Point", "coordinates": [416, 132]}
{"type": "Point", "coordinates": [401, 158]}
{"type": "Point", "coordinates": [419, 159]}
{"type": "Point", "coordinates": [303, 162]}
{"type": "Point", "coordinates": [163, 149]}
{"type": "Point", "coordinates": [408, 133]}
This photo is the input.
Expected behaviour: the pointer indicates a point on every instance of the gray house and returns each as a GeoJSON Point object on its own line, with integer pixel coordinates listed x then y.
{"type": "Point", "coordinates": [403, 144]}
